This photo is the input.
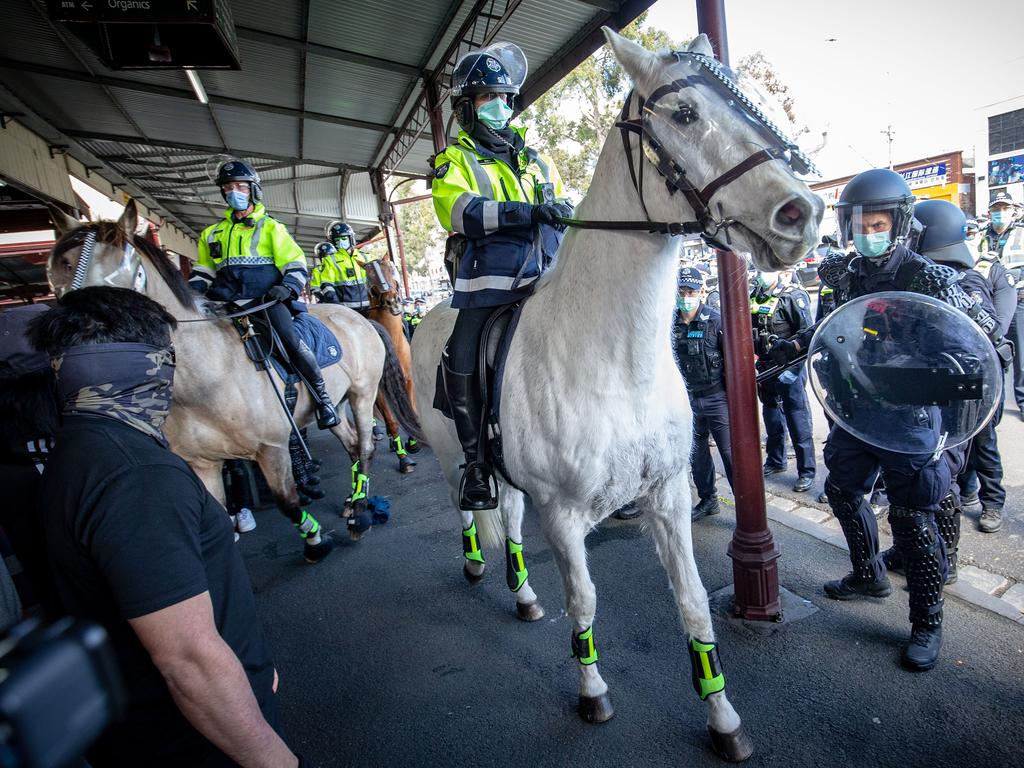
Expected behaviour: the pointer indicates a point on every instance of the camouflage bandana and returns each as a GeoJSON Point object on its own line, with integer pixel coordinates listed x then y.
{"type": "Point", "coordinates": [128, 382]}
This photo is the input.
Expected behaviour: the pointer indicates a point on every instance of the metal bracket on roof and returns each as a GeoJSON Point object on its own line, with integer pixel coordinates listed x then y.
{"type": "Point", "coordinates": [90, 168]}
{"type": "Point", "coordinates": [6, 116]}
{"type": "Point", "coordinates": [57, 149]}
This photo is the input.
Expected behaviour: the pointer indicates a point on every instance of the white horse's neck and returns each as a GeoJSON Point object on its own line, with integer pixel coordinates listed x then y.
{"type": "Point", "coordinates": [617, 286]}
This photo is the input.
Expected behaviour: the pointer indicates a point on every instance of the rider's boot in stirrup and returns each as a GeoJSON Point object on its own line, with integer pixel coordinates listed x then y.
{"type": "Point", "coordinates": [477, 489]}
{"type": "Point", "coordinates": [326, 414]}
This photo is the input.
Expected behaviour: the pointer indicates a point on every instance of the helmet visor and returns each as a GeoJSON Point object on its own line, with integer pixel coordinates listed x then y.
{"type": "Point", "coordinates": [872, 219]}
{"type": "Point", "coordinates": [508, 55]}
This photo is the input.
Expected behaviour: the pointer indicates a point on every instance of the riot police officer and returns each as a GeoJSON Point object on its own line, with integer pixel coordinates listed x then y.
{"type": "Point", "coordinates": [779, 312]}
{"type": "Point", "coordinates": [875, 212]}
{"type": "Point", "coordinates": [1003, 241]}
{"type": "Point", "coordinates": [697, 333]}
{"type": "Point", "coordinates": [350, 277]}
{"type": "Point", "coordinates": [248, 257]}
{"type": "Point", "coordinates": [500, 198]}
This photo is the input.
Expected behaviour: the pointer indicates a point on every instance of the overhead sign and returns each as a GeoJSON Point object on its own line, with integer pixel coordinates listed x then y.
{"type": "Point", "coordinates": [925, 175]}
{"type": "Point", "coordinates": [133, 11]}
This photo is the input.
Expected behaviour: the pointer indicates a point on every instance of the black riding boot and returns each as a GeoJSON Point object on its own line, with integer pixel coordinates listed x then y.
{"type": "Point", "coordinates": [476, 491]}
{"type": "Point", "coordinates": [305, 361]}
{"type": "Point", "coordinates": [922, 550]}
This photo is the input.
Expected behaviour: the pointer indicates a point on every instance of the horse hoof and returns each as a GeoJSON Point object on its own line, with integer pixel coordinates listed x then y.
{"type": "Point", "coordinates": [314, 553]}
{"type": "Point", "coordinates": [472, 578]}
{"type": "Point", "coordinates": [529, 611]}
{"type": "Point", "coordinates": [412, 449]}
{"type": "Point", "coordinates": [406, 467]}
{"type": "Point", "coordinates": [596, 709]}
{"type": "Point", "coordinates": [734, 747]}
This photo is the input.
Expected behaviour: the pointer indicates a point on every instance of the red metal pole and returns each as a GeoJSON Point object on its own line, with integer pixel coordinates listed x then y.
{"type": "Point", "coordinates": [436, 115]}
{"type": "Point", "coordinates": [401, 249]}
{"type": "Point", "coordinates": [753, 550]}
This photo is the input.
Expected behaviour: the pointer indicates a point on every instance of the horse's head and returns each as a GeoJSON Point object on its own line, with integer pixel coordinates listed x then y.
{"type": "Point", "coordinates": [380, 281]}
{"type": "Point", "coordinates": [110, 253]}
{"type": "Point", "coordinates": [710, 137]}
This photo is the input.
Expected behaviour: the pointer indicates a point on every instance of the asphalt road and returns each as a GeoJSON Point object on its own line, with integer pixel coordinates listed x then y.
{"type": "Point", "coordinates": [389, 658]}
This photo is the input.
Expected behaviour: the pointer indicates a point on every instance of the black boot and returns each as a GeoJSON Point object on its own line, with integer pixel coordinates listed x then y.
{"type": "Point", "coordinates": [477, 489]}
{"type": "Point", "coordinates": [705, 508]}
{"type": "Point", "coordinates": [305, 362]}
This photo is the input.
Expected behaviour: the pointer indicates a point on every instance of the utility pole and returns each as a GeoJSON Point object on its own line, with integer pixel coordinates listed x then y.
{"type": "Point", "coordinates": [889, 134]}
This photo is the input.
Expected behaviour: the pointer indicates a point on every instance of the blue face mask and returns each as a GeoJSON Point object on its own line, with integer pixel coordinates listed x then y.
{"type": "Point", "coordinates": [495, 113]}
{"type": "Point", "coordinates": [239, 201]}
{"type": "Point", "coordinates": [872, 245]}
{"type": "Point", "coordinates": [1001, 218]}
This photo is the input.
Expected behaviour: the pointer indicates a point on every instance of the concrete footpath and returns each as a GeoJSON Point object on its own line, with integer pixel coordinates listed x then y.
{"type": "Point", "coordinates": [388, 657]}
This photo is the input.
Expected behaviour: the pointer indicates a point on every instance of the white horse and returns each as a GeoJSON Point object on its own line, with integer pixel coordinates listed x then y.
{"type": "Point", "coordinates": [593, 348]}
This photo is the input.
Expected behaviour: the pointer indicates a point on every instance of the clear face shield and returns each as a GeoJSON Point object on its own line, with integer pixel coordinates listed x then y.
{"type": "Point", "coordinates": [717, 121]}
{"type": "Point", "coordinates": [871, 229]}
{"type": "Point", "coordinates": [905, 372]}
{"type": "Point", "coordinates": [510, 55]}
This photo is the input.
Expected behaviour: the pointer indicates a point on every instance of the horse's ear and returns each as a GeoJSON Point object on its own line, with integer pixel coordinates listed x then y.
{"type": "Point", "coordinates": [62, 223]}
{"type": "Point", "coordinates": [702, 45]}
{"type": "Point", "coordinates": [639, 63]}
{"type": "Point", "coordinates": [362, 264]}
{"type": "Point", "coordinates": [129, 221]}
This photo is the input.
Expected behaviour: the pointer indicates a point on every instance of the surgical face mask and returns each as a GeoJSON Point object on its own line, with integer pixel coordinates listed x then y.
{"type": "Point", "coordinates": [495, 114]}
{"type": "Point", "coordinates": [687, 303]}
{"type": "Point", "coordinates": [872, 245]}
{"type": "Point", "coordinates": [767, 279]}
{"type": "Point", "coordinates": [239, 201]}
{"type": "Point", "coordinates": [1001, 218]}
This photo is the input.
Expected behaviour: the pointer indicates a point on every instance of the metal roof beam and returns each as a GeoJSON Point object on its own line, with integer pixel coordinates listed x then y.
{"type": "Point", "coordinates": [605, 5]}
{"type": "Point", "coordinates": [340, 54]}
{"type": "Point", "coordinates": [180, 93]}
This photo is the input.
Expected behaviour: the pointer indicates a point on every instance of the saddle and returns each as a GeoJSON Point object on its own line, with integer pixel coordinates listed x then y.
{"type": "Point", "coordinates": [258, 340]}
{"type": "Point", "coordinates": [491, 355]}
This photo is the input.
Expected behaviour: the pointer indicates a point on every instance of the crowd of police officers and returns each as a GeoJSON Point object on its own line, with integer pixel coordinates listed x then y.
{"type": "Point", "coordinates": [885, 243]}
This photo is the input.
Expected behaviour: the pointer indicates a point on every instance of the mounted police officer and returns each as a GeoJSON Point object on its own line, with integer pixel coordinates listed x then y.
{"type": "Point", "coordinates": [699, 346]}
{"type": "Point", "coordinates": [350, 282]}
{"type": "Point", "coordinates": [875, 212]}
{"type": "Point", "coordinates": [1003, 241]}
{"type": "Point", "coordinates": [248, 258]}
{"type": "Point", "coordinates": [780, 311]}
{"type": "Point", "coordinates": [323, 283]}
{"type": "Point", "coordinates": [502, 199]}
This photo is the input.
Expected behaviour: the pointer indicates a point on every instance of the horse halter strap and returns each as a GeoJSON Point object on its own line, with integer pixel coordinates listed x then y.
{"type": "Point", "coordinates": [84, 258]}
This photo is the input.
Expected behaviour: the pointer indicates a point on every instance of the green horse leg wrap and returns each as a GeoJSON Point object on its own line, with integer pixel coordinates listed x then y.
{"type": "Point", "coordinates": [360, 484]}
{"type": "Point", "coordinates": [707, 668]}
{"type": "Point", "coordinates": [583, 648]}
{"type": "Point", "coordinates": [470, 545]}
{"type": "Point", "coordinates": [412, 442]}
{"type": "Point", "coordinates": [515, 566]}
{"type": "Point", "coordinates": [399, 448]}
{"type": "Point", "coordinates": [307, 525]}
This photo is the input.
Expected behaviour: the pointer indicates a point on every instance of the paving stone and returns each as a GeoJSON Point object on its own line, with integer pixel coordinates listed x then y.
{"type": "Point", "coordinates": [1015, 596]}
{"type": "Point", "coordinates": [812, 514]}
{"type": "Point", "coordinates": [986, 581]}
{"type": "Point", "coordinates": [781, 502]}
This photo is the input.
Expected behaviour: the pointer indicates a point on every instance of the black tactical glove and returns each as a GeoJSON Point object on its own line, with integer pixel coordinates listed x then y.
{"type": "Point", "coordinates": [280, 293]}
{"type": "Point", "coordinates": [784, 351]}
{"type": "Point", "coordinates": [549, 213]}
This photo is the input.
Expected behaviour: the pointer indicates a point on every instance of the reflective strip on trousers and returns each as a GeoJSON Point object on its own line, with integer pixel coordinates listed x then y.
{"type": "Point", "coordinates": [490, 283]}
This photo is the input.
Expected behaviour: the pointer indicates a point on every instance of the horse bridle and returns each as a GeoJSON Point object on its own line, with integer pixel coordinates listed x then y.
{"type": "Point", "coordinates": [676, 179]}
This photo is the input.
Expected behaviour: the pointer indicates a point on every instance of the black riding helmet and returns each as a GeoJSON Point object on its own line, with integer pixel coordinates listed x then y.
{"type": "Point", "coordinates": [943, 230]}
{"type": "Point", "coordinates": [872, 191]}
{"type": "Point", "coordinates": [236, 170]}
{"type": "Point", "coordinates": [500, 68]}
{"type": "Point", "coordinates": [337, 230]}
{"type": "Point", "coordinates": [325, 249]}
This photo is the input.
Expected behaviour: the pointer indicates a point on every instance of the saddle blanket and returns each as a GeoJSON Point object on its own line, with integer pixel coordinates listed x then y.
{"type": "Point", "coordinates": [319, 338]}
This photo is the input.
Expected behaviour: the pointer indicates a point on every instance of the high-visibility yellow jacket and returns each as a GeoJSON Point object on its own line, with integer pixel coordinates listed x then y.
{"type": "Point", "coordinates": [478, 195]}
{"type": "Point", "coordinates": [244, 259]}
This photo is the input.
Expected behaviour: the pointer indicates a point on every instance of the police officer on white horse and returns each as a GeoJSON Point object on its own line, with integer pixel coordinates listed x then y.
{"type": "Point", "coordinates": [503, 200]}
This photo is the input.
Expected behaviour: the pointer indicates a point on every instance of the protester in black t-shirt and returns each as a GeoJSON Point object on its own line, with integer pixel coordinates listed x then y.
{"type": "Point", "coordinates": [137, 544]}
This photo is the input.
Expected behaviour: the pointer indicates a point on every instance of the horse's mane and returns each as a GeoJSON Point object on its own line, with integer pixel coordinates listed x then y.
{"type": "Point", "coordinates": [111, 233]}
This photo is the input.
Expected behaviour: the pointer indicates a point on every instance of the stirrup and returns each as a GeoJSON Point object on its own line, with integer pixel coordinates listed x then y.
{"type": "Point", "coordinates": [492, 486]}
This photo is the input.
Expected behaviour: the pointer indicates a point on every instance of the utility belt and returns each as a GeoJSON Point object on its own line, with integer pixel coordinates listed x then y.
{"type": "Point", "coordinates": [714, 389]}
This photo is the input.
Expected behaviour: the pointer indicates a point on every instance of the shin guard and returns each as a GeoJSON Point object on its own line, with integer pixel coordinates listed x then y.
{"type": "Point", "coordinates": [307, 526]}
{"type": "Point", "coordinates": [918, 542]}
{"type": "Point", "coordinates": [947, 520]}
{"type": "Point", "coordinates": [853, 512]}
{"type": "Point", "coordinates": [707, 668]}
{"type": "Point", "coordinates": [360, 484]}
{"type": "Point", "coordinates": [583, 648]}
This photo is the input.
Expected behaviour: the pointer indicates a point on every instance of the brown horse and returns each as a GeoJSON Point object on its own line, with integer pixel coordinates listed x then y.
{"type": "Point", "coordinates": [223, 407]}
{"type": "Point", "coordinates": [386, 309]}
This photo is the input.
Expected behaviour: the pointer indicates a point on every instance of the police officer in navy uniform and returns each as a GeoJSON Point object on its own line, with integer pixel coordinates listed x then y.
{"type": "Point", "coordinates": [778, 312]}
{"type": "Point", "coordinates": [1003, 241]}
{"type": "Point", "coordinates": [699, 351]}
{"type": "Point", "coordinates": [875, 212]}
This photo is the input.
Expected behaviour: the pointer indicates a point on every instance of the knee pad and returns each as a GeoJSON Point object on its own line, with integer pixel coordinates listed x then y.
{"type": "Point", "coordinates": [844, 504]}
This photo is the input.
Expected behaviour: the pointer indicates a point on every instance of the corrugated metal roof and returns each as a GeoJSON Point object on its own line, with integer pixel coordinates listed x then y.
{"type": "Point", "coordinates": [360, 199]}
{"type": "Point", "coordinates": [167, 119]}
{"type": "Point", "coordinates": [348, 89]}
{"type": "Point", "coordinates": [258, 133]}
{"type": "Point", "coordinates": [270, 74]}
{"type": "Point", "coordinates": [280, 17]}
{"type": "Point", "coordinates": [341, 144]}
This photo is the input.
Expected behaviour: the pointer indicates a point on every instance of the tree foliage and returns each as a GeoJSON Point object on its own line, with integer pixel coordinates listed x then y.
{"type": "Point", "coordinates": [757, 67]}
{"type": "Point", "coordinates": [421, 234]}
{"type": "Point", "coordinates": [570, 122]}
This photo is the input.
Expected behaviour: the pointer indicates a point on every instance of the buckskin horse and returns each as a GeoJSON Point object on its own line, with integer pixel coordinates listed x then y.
{"type": "Point", "coordinates": [690, 153]}
{"type": "Point", "coordinates": [223, 407]}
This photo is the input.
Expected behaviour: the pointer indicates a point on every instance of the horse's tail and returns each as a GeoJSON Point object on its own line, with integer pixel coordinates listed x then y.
{"type": "Point", "coordinates": [393, 386]}
{"type": "Point", "coordinates": [490, 527]}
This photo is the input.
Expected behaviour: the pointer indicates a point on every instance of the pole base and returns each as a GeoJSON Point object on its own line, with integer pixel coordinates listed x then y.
{"type": "Point", "coordinates": [755, 575]}
{"type": "Point", "coordinates": [792, 608]}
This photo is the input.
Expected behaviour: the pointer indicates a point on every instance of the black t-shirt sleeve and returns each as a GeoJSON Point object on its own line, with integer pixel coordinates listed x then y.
{"type": "Point", "coordinates": [144, 537]}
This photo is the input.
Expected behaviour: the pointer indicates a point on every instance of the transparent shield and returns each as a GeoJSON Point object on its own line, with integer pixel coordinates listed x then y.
{"type": "Point", "coordinates": [905, 372]}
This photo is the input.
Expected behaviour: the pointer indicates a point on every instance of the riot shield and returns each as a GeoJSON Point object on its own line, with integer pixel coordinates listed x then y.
{"type": "Point", "coordinates": [905, 372]}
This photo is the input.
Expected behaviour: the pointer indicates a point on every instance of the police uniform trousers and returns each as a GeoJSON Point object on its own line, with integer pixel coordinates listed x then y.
{"type": "Point", "coordinates": [984, 471]}
{"type": "Point", "coordinates": [916, 485]}
{"type": "Point", "coordinates": [710, 417]}
{"type": "Point", "coordinates": [1016, 335]}
{"type": "Point", "coordinates": [785, 406]}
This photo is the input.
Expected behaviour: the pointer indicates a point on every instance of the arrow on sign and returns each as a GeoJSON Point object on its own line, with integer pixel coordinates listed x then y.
{"type": "Point", "coordinates": [86, 6]}
{"type": "Point", "coordinates": [190, 5]}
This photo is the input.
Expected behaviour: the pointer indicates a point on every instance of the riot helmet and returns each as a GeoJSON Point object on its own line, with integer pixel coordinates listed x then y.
{"type": "Point", "coordinates": [323, 250]}
{"type": "Point", "coordinates": [943, 232]}
{"type": "Point", "coordinates": [236, 170]}
{"type": "Point", "coordinates": [500, 68]}
{"type": "Point", "coordinates": [341, 235]}
{"type": "Point", "coordinates": [875, 212]}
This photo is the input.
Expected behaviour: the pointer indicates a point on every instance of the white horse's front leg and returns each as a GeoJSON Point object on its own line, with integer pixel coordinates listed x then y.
{"type": "Point", "coordinates": [565, 532]}
{"type": "Point", "coordinates": [667, 511]}
{"type": "Point", "coordinates": [516, 573]}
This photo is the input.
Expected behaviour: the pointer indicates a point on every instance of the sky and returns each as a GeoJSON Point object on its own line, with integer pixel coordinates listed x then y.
{"type": "Point", "coordinates": [855, 68]}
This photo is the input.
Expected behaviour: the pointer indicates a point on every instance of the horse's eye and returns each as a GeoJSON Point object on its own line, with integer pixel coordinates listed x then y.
{"type": "Point", "coordinates": [686, 114]}
{"type": "Point", "coordinates": [66, 263]}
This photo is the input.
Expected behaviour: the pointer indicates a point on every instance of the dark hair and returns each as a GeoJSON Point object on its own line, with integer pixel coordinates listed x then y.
{"type": "Point", "coordinates": [28, 409]}
{"type": "Point", "coordinates": [101, 315]}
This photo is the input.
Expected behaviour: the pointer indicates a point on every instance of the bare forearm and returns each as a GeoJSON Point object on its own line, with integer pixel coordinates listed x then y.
{"type": "Point", "coordinates": [214, 694]}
